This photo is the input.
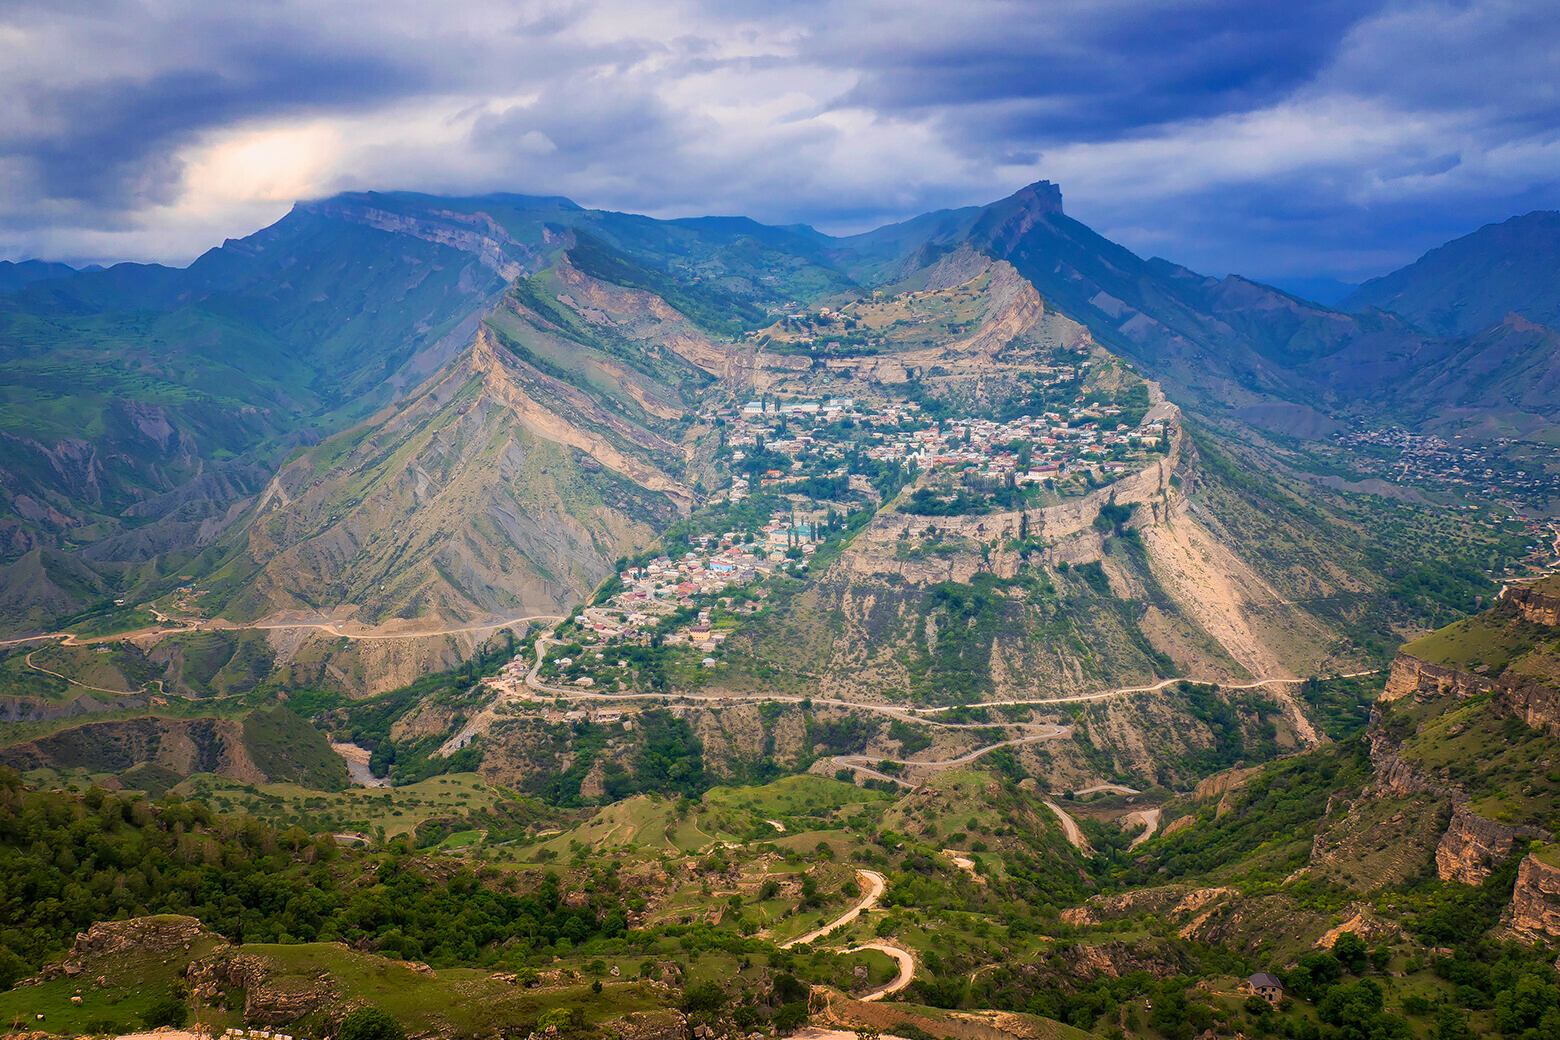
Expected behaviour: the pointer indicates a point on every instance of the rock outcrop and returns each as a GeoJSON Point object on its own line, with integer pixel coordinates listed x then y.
{"type": "Point", "coordinates": [158, 934]}
{"type": "Point", "coordinates": [1170, 900]}
{"type": "Point", "coordinates": [652, 1025]}
{"type": "Point", "coordinates": [1535, 902]}
{"type": "Point", "coordinates": [1534, 702]}
{"type": "Point", "coordinates": [1515, 693]}
{"type": "Point", "coordinates": [268, 1000]}
{"type": "Point", "coordinates": [1472, 846]}
{"type": "Point", "coordinates": [1535, 604]}
{"type": "Point", "coordinates": [1425, 681]}
{"type": "Point", "coordinates": [161, 933]}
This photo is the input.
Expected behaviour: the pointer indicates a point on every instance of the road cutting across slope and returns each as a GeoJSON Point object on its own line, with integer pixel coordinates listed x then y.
{"type": "Point", "coordinates": [873, 885]}
{"type": "Point", "coordinates": [1070, 828]}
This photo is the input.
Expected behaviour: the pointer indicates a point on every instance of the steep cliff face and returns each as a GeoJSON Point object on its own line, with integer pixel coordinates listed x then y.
{"type": "Point", "coordinates": [1539, 603]}
{"type": "Point", "coordinates": [1535, 903]}
{"type": "Point", "coordinates": [1062, 525]}
{"type": "Point", "coordinates": [1426, 739]}
{"type": "Point", "coordinates": [1516, 693]}
{"type": "Point", "coordinates": [1473, 846]}
{"type": "Point", "coordinates": [1410, 676]}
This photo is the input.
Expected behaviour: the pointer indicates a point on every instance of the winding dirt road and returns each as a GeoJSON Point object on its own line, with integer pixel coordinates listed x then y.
{"type": "Point", "coordinates": [1150, 820]}
{"type": "Point", "coordinates": [901, 957]}
{"type": "Point", "coordinates": [1070, 828]}
{"type": "Point", "coordinates": [874, 884]}
{"type": "Point", "coordinates": [865, 763]}
{"type": "Point", "coordinates": [28, 661]}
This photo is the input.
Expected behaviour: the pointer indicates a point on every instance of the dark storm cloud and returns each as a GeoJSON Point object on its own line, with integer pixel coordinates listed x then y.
{"type": "Point", "coordinates": [1323, 137]}
{"type": "Point", "coordinates": [1095, 71]}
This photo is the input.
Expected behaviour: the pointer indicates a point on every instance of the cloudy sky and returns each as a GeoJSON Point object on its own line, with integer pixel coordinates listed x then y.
{"type": "Point", "coordinates": [1308, 138]}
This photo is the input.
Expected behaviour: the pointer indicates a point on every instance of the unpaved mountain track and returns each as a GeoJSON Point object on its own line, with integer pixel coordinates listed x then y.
{"type": "Point", "coordinates": [28, 661]}
{"type": "Point", "coordinates": [874, 885]}
{"type": "Point", "coordinates": [863, 763]}
{"type": "Point", "coordinates": [338, 629]}
{"type": "Point", "coordinates": [906, 968]}
{"type": "Point", "coordinates": [1118, 788]}
{"type": "Point", "coordinates": [1071, 829]}
{"type": "Point", "coordinates": [1150, 820]}
{"type": "Point", "coordinates": [866, 765]}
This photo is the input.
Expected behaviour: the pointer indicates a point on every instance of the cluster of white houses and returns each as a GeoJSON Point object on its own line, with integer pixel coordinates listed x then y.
{"type": "Point", "coordinates": [1029, 449]}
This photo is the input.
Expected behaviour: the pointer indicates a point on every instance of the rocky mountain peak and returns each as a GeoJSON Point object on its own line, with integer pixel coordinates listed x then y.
{"type": "Point", "coordinates": [1039, 197]}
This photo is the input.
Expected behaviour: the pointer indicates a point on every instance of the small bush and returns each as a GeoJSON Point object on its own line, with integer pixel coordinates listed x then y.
{"type": "Point", "coordinates": [370, 1023]}
{"type": "Point", "coordinates": [166, 1010]}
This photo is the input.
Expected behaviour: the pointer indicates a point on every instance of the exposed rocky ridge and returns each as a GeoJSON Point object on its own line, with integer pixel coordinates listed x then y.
{"type": "Point", "coordinates": [1473, 846]}
{"type": "Point", "coordinates": [1525, 696]}
{"type": "Point", "coordinates": [1425, 681]}
{"type": "Point", "coordinates": [1536, 604]}
{"type": "Point", "coordinates": [1372, 842]}
{"type": "Point", "coordinates": [982, 365]}
{"type": "Point", "coordinates": [1224, 916]}
{"type": "Point", "coordinates": [268, 1000]}
{"type": "Point", "coordinates": [161, 933]}
{"type": "Point", "coordinates": [474, 233]}
{"type": "Point", "coordinates": [1535, 901]}
{"type": "Point", "coordinates": [644, 318]}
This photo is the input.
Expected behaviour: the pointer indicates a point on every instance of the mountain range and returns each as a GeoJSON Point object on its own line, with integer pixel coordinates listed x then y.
{"type": "Point", "coordinates": [989, 630]}
{"type": "Point", "coordinates": [152, 413]}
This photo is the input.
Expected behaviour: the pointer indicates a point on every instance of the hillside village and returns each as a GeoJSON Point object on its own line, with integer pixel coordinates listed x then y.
{"type": "Point", "coordinates": [1519, 475]}
{"type": "Point", "coordinates": [1088, 441]}
{"type": "Point", "coordinates": [689, 599]}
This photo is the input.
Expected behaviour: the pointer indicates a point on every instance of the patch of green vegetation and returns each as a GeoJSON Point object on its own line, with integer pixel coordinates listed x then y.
{"type": "Point", "coordinates": [104, 619]}
{"type": "Point", "coordinates": [707, 305]}
{"type": "Point", "coordinates": [1504, 765]}
{"type": "Point", "coordinates": [802, 794]}
{"type": "Point", "coordinates": [439, 805]}
{"type": "Point", "coordinates": [1341, 707]}
{"type": "Point", "coordinates": [1266, 835]}
{"type": "Point", "coordinates": [1488, 641]}
{"type": "Point", "coordinates": [137, 982]}
{"type": "Point", "coordinates": [293, 750]}
{"type": "Point", "coordinates": [228, 872]}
